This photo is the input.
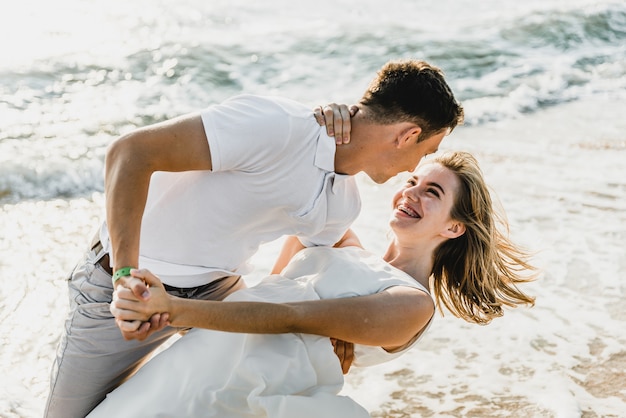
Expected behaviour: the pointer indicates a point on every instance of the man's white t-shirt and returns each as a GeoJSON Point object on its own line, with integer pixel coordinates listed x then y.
{"type": "Point", "coordinates": [273, 175]}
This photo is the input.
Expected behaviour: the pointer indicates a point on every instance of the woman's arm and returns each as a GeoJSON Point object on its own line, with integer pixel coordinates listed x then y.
{"type": "Point", "coordinates": [349, 239]}
{"type": "Point", "coordinates": [292, 245]}
{"type": "Point", "coordinates": [388, 319]}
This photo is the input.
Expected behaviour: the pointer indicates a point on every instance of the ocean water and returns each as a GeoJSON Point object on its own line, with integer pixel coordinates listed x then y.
{"type": "Point", "coordinates": [543, 84]}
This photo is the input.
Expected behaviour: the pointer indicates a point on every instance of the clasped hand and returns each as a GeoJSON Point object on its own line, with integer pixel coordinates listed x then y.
{"type": "Point", "coordinates": [140, 305]}
{"type": "Point", "coordinates": [143, 308]}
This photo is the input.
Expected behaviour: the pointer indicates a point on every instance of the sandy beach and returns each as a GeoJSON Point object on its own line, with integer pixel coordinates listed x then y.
{"type": "Point", "coordinates": [561, 177]}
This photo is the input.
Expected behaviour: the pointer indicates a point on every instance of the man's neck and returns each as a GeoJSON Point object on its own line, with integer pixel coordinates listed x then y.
{"type": "Point", "coordinates": [350, 158]}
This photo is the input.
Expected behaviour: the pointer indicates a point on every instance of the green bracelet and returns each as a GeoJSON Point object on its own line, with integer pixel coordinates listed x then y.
{"type": "Point", "coordinates": [124, 271]}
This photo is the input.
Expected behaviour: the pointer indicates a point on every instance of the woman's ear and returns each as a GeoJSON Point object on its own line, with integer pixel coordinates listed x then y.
{"type": "Point", "coordinates": [455, 230]}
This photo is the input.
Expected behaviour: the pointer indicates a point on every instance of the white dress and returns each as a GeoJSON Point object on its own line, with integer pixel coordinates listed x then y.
{"type": "Point", "coordinates": [218, 374]}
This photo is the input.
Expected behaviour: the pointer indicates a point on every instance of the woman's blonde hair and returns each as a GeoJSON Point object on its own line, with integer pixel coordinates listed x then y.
{"type": "Point", "coordinates": [477, 273]}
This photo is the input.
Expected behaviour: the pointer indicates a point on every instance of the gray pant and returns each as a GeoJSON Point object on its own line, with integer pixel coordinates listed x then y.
{"type": "Point", "coordinates": [93, 358]}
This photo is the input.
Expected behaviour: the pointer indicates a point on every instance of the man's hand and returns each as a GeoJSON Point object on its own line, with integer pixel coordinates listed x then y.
{"type": "Point", "coordinates": [345, 352]}
{"type": "Point", "coordinates": [136, 330]}
{"type": "Point", "coordinates": [337, 120]}
{"type": "Point", "coordinates": [137, 286]}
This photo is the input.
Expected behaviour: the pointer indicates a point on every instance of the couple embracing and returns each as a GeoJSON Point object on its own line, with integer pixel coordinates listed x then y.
{"type": "Point", "coordinates": [190, 200]}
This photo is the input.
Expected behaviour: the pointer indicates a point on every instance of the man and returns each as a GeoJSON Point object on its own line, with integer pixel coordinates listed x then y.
{"type": "Point", "coordinates": [193, 198]}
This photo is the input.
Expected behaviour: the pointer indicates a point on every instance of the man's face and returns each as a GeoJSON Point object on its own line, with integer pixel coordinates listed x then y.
{"type": "Point", "coordinates": [388, 164]}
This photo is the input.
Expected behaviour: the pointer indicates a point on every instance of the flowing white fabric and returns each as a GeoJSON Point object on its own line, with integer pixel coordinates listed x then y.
{"type": "Point", "coordinates": [218, 374]}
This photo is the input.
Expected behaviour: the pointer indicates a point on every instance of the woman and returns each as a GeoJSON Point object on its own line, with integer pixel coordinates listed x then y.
{"type": "Point", "coordinates": [444, 238]}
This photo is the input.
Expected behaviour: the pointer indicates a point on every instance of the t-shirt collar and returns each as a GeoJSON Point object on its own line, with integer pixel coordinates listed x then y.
{"type": "Point", "coordinates": [325, 151]}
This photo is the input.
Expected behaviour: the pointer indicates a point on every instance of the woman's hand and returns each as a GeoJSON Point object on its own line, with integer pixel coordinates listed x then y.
{"type": "Point", "coordinates": [345, 352]}
{"type": "Point", "coordinates": [337, 120]}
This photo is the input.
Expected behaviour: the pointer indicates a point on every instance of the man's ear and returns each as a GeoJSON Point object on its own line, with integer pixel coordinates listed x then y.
{"type": "Point", "coordinates": [408, 135]}
{"type": "Point", "coordinates": [455, 230]}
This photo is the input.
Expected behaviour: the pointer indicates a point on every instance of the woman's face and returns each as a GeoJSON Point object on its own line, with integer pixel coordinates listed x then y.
{"type": "Point", "coordinates": [422, 207]}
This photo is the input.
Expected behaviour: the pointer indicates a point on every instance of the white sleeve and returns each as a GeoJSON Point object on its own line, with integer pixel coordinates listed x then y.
{"type": "Point", "coordinates": [245, 133]}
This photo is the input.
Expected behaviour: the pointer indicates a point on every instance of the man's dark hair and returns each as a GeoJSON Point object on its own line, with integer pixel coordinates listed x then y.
{"type": "Point", "coordinates": [413, 91]}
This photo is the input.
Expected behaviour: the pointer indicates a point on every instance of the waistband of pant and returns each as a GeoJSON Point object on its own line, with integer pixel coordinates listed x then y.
{"type": "Point", "coordinates": [104, 262]}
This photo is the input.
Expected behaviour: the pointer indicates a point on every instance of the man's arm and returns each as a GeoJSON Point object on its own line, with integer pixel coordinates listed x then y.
{"type": "Point", "coordinates": [176, 145]}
